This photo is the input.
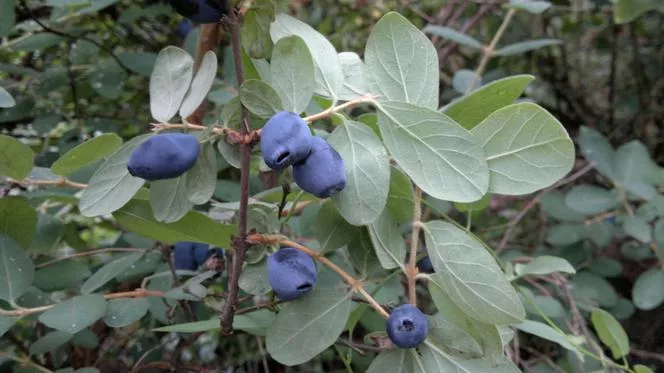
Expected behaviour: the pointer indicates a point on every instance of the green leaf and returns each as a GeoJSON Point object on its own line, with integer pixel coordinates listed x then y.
{"type": "Point", "coordinates": [610, 332]}
{"type": "Point", "coordinates": [202, 178]}
{"type": "Point", "coordinates": [623, 310]}
{"type": "Point", "coordinates": [292, 71]}
{"type": "Point", "coordinates": [6, 323]}
{"type": "Point", "coordinates": [546, 332]}
{"type": "Point", "coordinates": [50, 342]}
{"type": "Point", "coordinates": [436, 359]}
{"type": "Point", "coordinates": [544, 265]}
{"type": "Point", "coordinates": [169, 199]}
{"type": "Point", "coordinates": [590, 287]}
{"type": "Point", "coordinates": [565, 234]}
{"type": "Point", "coordinates": [547, 305]}
{"type": "Point", "coordinates": [37, 42]}
{"type": "Point", "coordinates": [448, 334]}
{"type": "Point", "coordinates": [634, 169]}
{"type": "Point", "coordinates": [526, 46]}
{"type": "Point", "coordinates": [107, 78]}
{"type": "Point", "coordinates": [255, 323]}
{"type": "Point", "coordinates": [15, 158]}
{"type": "Point", "coordinates": [648, 290]}
{"type": "Point", "coordinates": [7, 18]}
{"type": "Point", "coordinates": [392, 361]}
{"type": "Point", "coordinates": [527, 149]}
{"type": "Point", "coordinates": [480, 205]}
{"type": "Point", "coordinates": [253, 279]}
{"type": "Point", "coordinates": [307, 326]}
{"type": "Point", "coordinates": [471, 276]}
{"type": "Point", "coordinates": [18, 220]}
{"type": "Point", "coordinates": [75, 314]}
{"type": "Point", "coordinates": [591, 200]}
{"type": "Point", "coordinates": [109, 271]}
{"type": "Point", "coordinates": [327, 68]}
{"type": "Point", "coordinates": [6, 99]}
{"type": "Point", "coordinates": [453, 35]}
{"type": "Point", "coordinates": [256, 30]}
{"type": "Point", "coordinates": [401, 62]}
{"type": "Point", "coordinates": [136, 216]}
{"type": "Point", "coordinates": [111, 186]}
{"type": "Point", "coordinates": [125, 311]}
{"type": "Point", "coordinates": [606, 267]}
{"type": "Point", "coordinates": [139, 62]}
{"type": "Point", "coordinates": [63, 275]}
{"type": "Point", "coordinates": [638, 368]}
{"type": "Point", "coordinates": [16, 270]}
{"type": "Point", "coordinates": [52, 79]}
{"type": "Point", "coordinates": [637, 226]}
{"type": "Point", "coordinates": [367, 171]}
{"type": "Point", "coordinates": [471, 109]}
{"type": "Point", "coordinates": [531, 6]}
{"type": "Point", "coordinates": [355, 80]}
{"type": "Point", "coordinates": [332, 230]}
{"type": "Point", "coordinates": [625, 11]}
{"type": "Point", "coordinates": [400, 199]}
{"type": "Point", "coordinates": [200, 85]}
{"type": "Point", "coordinates": [440, 156]}
{"type": "Point", "coordinates": [192, 327]}
{"type": "Point", "coordinates": [464, 81]}
{"type": "Point", "coordinates": [387, 241]}
{"type": "Point", "coordinates": [230, 152]}
{"type": "Point", "coordinates": [596, 148]}
{"type": "Point", "coordinates": [260, 98]}
{"type": "Point", "coordinates": [86, 153]}
{"type": "Point", "coordinates": [169, 82]}
{"type": "Point", "coordinates": [362, 255]}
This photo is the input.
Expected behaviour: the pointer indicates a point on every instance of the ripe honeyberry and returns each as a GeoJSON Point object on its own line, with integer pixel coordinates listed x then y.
{"type": "Point", "coordinates": [200, 11]}
{"type": "Point", "coordinates": [202, 252]}
{"type": "Point", "coordinates": [164, 156]}
{"type": "Point", "coordinates": [184, 28]}
{"type": "Point", "coordinates": [183, 256]}
{"type": "Point", "coordinates": [291, 273]}
{"type": "Point", "coordinates": [407, 326]}
{"type": "Point", "coordinates": [425, 266]}
{"type": "Point", "coordinates": [323, 172]}
{"type": "Point", "coordinates": [285, 140]}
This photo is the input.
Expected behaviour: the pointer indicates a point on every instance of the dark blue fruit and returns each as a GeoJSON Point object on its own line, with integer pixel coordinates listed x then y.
{"type": "Point", "coordinates": [183, 256]}
{"type": "Point", "coordinates": [202, 252]}
{"type": "Point", "coordinates": [323, 172]}
{"type": "Point", "coordinates": [164, 156]}
{"type": "Point", "coordinates": [200, 11]}
{"type": "Point", "coordinates": [425, 266]}
{"type": "Point", "coordinates": [291, 273]}
{"type": "Point", "coordinates": [407, 326]}
{"type": "Point", "coordinates": [184, 28]}
{"type": "Point", "coordinates": [285, 140]}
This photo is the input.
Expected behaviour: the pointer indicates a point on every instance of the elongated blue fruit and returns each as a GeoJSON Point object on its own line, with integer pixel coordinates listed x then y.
{"type": "Point", "coordinates": [323, 173]}
{"type": "Point", "coordinates": [285, 140]}
{"type": "Point", "coordinates": [164, 156]}
{"type": "Point", "coordinates": [291, 273]}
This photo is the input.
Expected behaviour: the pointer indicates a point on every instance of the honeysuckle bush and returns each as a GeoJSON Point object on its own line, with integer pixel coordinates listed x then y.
{"type": "Point", "coordinates": [407, 162]}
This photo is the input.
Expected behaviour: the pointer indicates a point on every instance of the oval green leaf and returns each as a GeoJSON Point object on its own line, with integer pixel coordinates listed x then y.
{"type": "Point", "coordinates": [86, 153]}
{"type": "Point", "coordinates": [16, 270]}
{"type": "Point", "coordinates": [75, 314]}
{"type": "Point", "coordinates": [15, 158]}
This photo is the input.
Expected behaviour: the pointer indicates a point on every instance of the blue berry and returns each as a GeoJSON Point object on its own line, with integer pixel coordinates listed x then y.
{"type": "Point", "coordinates": [291, 273]}
{"type": "Point", "coordinates": [425, 266]}
{"type": "Point", "coordinates": [183, 256]}
{"type": "Point", "coordinates": [322, 173]}
{"type": "Point", "coordinates": [184, 28]}
{"type": "Point", "coordinates": [407, 326]}
{"type": "Point", "coordinates": [285, 140]}
{"type": "Point", "coordinates": [164, 156]}
{"type": "Point", "coordinates": [200, 11]}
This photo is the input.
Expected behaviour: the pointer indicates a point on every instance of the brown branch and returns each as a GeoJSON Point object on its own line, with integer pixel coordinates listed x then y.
{"type": "Point", "coordinates": [62, 182]}
{"type": "Point", "coordinates": [411, 269]}
{"type": "Point", "coordinates": [89, 253]}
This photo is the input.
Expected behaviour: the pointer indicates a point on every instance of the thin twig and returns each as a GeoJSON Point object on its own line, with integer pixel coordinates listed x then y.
{"type": "Point", "coordinates": [62, 182]}
{"type": "Point", "coordinates": [411, 269]}
{"type": "Point", "coordinates": [89, 253]}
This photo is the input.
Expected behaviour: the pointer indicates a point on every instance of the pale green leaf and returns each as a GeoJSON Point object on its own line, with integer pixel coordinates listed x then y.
{"type": "Point", "coordinates": [401, 63]}
{"type": "Point", "coordinates": [565, 234]}
{"type": "Point", "coordinates": [544, 265]}
{"type": "Point", "coordinates": [18, 220]}
{"type": "Point", "coordinates": [355, 80]}
{"type": "Point", "coordinates": [436, 359]}
{"type": "Point", "coordinates": [260, 98]}
{"type": "Point", "coordinates": [464, 81]}
{"type": "Point", "coordinates": [590, 287]}
{"type": "Point", "coordinates": [596, 148]}
{"type": "Point", "coordinates": [637, 226]}
{"type": "Point", "coordinates": [107, 78]}
{"type": "Point", "coordinates": [634, 169]}
{"type": "Point", "coordinates": [230, 152]}
{"type": "Point", "coordinates": [169, 199]}
{"type": "Point", "coordinates": [15, 158]}
{"type": "Point", "coordinates": [527, 149]}
{"type": "Point", "coordinates": [606, 267]}
{"type": "Point", "coordinates": [109, 271]}
{"type": "Point", "coordinates": [292, 71]}
{"type": "Point", "coordinates": [473, 108]}
{"type": "Point", "coordinates": [16, 270]}
{"type": "Point", "coordinates": [392, 361]}
{"type": "Point", "coordinates": [470, 275]}
{"type": "Point", "coordinates": [332, 230]}
{"type": "Point", "coordinates": [111, 186]}
{"type": "Point", "coordinates": [553, 204]}
{"type": "Point", "coordinates": [63, 275]}
{"type": "Point", "coordinates": [50, 342]}
{"type": "Point", "coordinates": [75, 314]}
{"type": "Point", "coordinates": [6, 99]}
{"type": "Point", "coordinates": [139, 62]}
{"type": "Point", "coordinates": [400, 199]}
{"type": "Point", "coordinates": [200, 85]}
{"type": "Point", "coordinates": [86, 153]}
{"type": "Point", "coordinates": [453, 35]}
{"type": "Point", "coordinates": [125, 311]}
{"type": "Point", "coordinates": [526, 46]}
{"type": "Point", "coordinates": [545, 331]}
{"type": "Point", "coordinates": [367, 170]}
{"type": "Point", "coordinates": [441, 157]}
{"type": "Point", "coordinates": [531, 6]}
{"type": "Point", "coordinates": [202, 178]}
{"type": "Point", "coordinates": [387, 242]}
{"type": "Point", "coordinates": [253, 279]}
{"type": "Point", "coordinates": [591, 200]}
{"type": "Point", "coordinates": [6, 323]}
{"type": "Point", "coordinates": [648, 290]}
{"type": "Point", "coordinates": [169, 82]}
{"type": "Point", "coordinates": [610, 332]}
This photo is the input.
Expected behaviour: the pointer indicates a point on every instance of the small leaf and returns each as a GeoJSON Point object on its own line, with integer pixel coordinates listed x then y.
{"type": "Point", "coordinates": [111, 186]}
{"type": "Point", "coordinates": [50, 342]}
{"type": "Point", "coordinates": [591, 200]}
{"type": "Point", "coordinates": [470, 275]}
{"type": "Point", "coordinates": [332, 230]}
{"type": "Point", "coordinates": [400, 199]}
{"type": "Point", "coordinates": [136, 216]}
{"type": "Point", "coordinates": [256, 30]}
{"type": "Point", "coordinates": [391, 361]}
{"type": "Point", "coordinates": [75, 314]}
{"type": "Point", "coordinates": [527, 149]}
{"type": "Point", "coordinates": [637, 226]}
{"type": "Point", "coordinates": [596, 148]}
{"type": "Point", "coordinates": [595, 289]}
{"type": "Point", "coordinates": [202, 178]}
{"type": "Point", "coordinates": [18, 220]}
{"type": "Point", "coordinates": [367, 170]}
{"type": "Point", "coordinates": [387, 242]}
{"type": "Point", "coordinates": [292, 71]}
{"type": "Point", "coordinates": [86, 153]}
{"type": "Point", "coordinates": [355, 80]}
{"type": "Point", "coordinates": [107, 78]}
{"type": "Point", "coordinates": [440, 156]}
{"type": "Point", "coordinates": [565, 234]}
{"type": "Point", "coordinates": [109, 271]}
{"type": "Point", "coordinates": [610, 332]}
{"type": "Point", "coordinates": [531, 6]}
{"type": "Point", "coordinates": [260, 98]}
{"type": "Point", "coordinates": [634, 169]}
{"type": "Point", "coordinates": [454, 35]}
{"type": "Point", "coordinates": [139, 62]}
{"type": "Point", "coordinates": [544, 265]}
{"type": "Point", "coordinates": [254, 280]}
{"type": "Point", "coordinates": [169, 82]}
{"type": "Point", "coordinates": [526, 46]}
{"type": "Point", "coordinates": [201, 84]}
{"type": "Point", "coordinates": [6, 99]}
{"type": "Point", "coordinates": [63, 275]}
{"type": "Point", "coordinates": [169, 199]}
{"type": "Point", "coordinates": [546, 332]}
{"type": "Point", "coordinates": [401, 62]}
{"type": "Point", "coordinates": [6, 323]}
{"type": "Point", "coordinates": [625, 11]}
{"type": "Point", "coordinates": [125, 311]}
{"type": "Point", "coordinates": [638, 368]}
{"type": "Point", "coordinates": [16, 270]}
{"type": "Point", "coordinates": [473, 108]}
{"type": "Point", "coordinates": [15, 158]}
{"type": "Point", "coordinates": [648, 290]}
{"type": "Point", "coordinates": [464, 81]}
